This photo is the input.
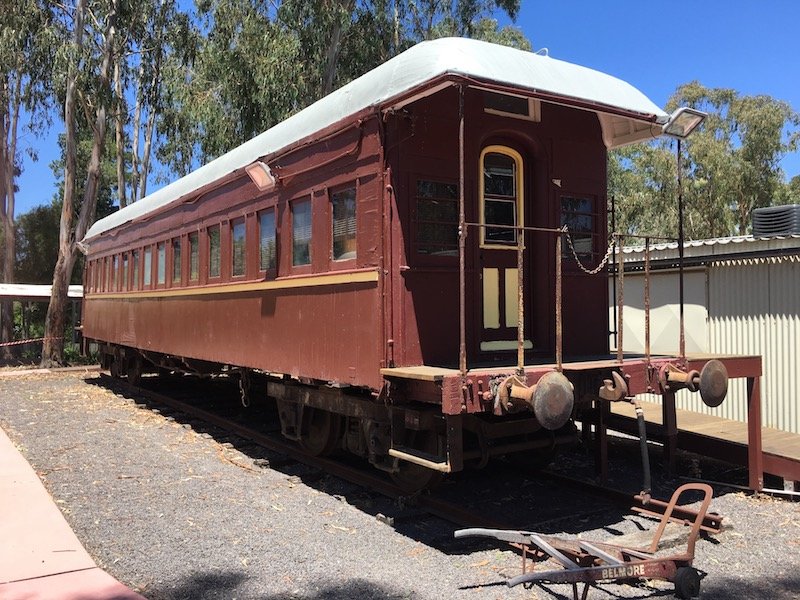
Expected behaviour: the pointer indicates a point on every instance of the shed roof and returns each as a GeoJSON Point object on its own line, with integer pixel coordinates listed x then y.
{"type": "Point", "coordinates": [717, 249]}
{"type": "Point", "coordinates": [27, 291]}
{"type": "Point", "coordinates": [414, 69]}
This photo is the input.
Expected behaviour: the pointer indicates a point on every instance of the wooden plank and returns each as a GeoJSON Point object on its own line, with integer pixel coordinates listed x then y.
{"type": "Point", "coordinates": [774, 441]}
{"type": "Point", "coordinates": [422, 373]}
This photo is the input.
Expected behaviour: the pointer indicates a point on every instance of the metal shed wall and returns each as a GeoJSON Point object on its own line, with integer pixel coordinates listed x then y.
{"type": "Point", "coordinates": [753, 307]}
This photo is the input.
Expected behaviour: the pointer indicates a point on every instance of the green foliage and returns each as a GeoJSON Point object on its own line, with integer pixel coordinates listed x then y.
{"type": "Point", "coordinates": [107, 192]}
{"type": "Point", "coordinates": [730, 166]}
{"type": "Point", "coordinates": [249, 64]}
{"type": "Point", "coordinates": [488, 30]}
{"type": "Point", "coordinates": [642, 179]}
{"type": "Point", "coordinates": [27, 46]}
{"type": "Point", "coordinates": [37, 244]}
{"type": "Point", "coordinates": [241, 75]}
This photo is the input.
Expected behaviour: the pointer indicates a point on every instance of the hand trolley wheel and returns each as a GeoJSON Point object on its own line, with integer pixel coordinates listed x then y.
{"type": "Point", "coordinates": [687, 583]}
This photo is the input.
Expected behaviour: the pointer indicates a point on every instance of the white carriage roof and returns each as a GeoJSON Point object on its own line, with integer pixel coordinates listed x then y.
{"type": "Point", "coordinates": [406, 72]}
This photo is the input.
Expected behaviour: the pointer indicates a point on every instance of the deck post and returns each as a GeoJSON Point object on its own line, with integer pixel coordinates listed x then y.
{"type": "Point", "coordinates": [462, 234]}
{"type": "Point", "coordinates": [601, 439]}
{"type": "Point", "coordinates": [455, 444]}
{"type": "Point", "coordinates": [670, 423]}
{"type": "Point", "coordinates": [755, 455]}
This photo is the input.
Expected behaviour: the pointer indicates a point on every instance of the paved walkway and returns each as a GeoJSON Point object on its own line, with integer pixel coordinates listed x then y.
{"type": "Point", "coordinates": [40, 556]}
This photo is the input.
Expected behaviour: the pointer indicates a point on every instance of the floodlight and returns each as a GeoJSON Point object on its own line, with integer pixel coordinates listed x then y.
{"type": "Point", "coordinates": [683, 121]}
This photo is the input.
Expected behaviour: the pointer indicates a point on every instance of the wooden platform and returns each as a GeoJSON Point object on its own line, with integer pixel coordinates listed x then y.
{"type": "Point", "coordinates": [727, 440]}
{"type": "Point", "coordinates": [713, 436]}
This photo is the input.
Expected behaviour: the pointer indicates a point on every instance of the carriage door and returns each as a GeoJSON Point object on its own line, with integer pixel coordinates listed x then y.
{"type": "Point", "coordinates": [501, 199]}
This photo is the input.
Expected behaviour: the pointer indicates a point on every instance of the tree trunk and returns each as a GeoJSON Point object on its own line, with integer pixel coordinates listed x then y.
{"type": "Point", "coordinates": [345, 11]}
{"type": "Point", "coordinates": [6, 307]}
{"type": "Point", "coordinates": [148, 144]}
{"type": "Point", "coordinates": [53, 346]}
{"type": "Point", "coordinates": [56, 311]}
{"type": "Point", "coordinates": [137, 121]}
{"type": "Point", "coordinates": [119, 121]}
{"type": "Point", "coordinates": [10, 120]}
{"type": "Point", "coordinates": [151, 115]}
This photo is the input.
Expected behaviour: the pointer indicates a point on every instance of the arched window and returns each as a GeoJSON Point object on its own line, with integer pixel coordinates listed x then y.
{"type": "Point", "coordinates": [501, 191]}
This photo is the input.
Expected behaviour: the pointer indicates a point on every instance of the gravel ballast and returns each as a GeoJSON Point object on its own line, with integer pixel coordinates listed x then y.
{"type": "Point", "coordinates": [174, 512]}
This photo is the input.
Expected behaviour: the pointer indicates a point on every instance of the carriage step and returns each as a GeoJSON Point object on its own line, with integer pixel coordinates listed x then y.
{"type": "Point", "coordinates": [420, 458]}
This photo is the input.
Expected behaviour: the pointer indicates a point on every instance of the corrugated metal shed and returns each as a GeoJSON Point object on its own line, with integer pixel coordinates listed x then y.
{"type": "Point", "coordinates": [743, 297]}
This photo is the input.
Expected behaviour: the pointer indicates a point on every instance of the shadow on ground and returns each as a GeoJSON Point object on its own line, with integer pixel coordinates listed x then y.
{"type": "Point", "coordinates": [501, 493]}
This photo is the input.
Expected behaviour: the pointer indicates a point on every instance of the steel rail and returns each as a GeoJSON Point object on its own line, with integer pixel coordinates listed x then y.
{"type": "Point", "coordinates": [372, 479]}
{"type": "Point", "coordinates": [369, 479]}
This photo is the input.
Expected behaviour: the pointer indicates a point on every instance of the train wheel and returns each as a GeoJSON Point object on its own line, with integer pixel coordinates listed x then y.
{"type": "Point", "coordinates": [133, 369]}
{"type": "Point", "coordinates": [412, 478]}
{"type": "Point", "coordinates": [115, 368]}
{"type": "Point", "coordinates": [321, 431]}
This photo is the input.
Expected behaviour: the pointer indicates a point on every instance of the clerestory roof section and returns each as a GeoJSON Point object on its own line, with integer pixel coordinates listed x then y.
{"type": "Point", "coordinates": [626, 115]}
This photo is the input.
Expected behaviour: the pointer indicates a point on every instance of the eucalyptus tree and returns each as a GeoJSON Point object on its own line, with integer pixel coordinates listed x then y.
{"type": "Point", "coordinates": [153, 33]}
{"type": "Point", "coordinates": [737, 153]}
{"type": "Point", "coordinates": [233, 75]}
{"type": "Point", "coordinates": [730, 166]}
{"type": "Point", "coordinates": [248, 64]}
{"type": "Point", "coordinates": [87, 64]}
{"type": "Point", "coordinates": [26, 47]}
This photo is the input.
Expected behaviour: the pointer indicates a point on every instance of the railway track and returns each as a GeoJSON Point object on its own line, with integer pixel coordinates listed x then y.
{"type": "Point", "coordinates": [449, 507]}
{"type": "Point", "coordinates": [365, 477]}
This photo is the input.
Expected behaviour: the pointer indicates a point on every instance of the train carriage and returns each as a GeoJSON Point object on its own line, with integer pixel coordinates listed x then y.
{"type": "Point", "coordinates": [393, 258]}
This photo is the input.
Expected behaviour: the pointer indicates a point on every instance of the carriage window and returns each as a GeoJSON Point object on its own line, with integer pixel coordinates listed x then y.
{"type": "Point", "coordinates": [176, 261]}
{"type": "Point", "coordinates": [194, 257]}
{"type": "Point", "coordinates": [135, 259]}
{"type": "Point", "coordinates": [213, 251]}
{"type": "Point", "coordinates": [115, 269]}
{"type": "Point", "coordinates": [162, 263]}
{"type": "Point", "coordinates": [578, 215]}
{"type": "Point", "coordinates": [239, 247]}
{"type": "Point", "coordinates": [512, 106]}
{"type": "Point", "coordinates": [266, 226]}
{"type": "Point", "coordinates": [125, 271]}
{"type": "Point", "coordinates": [344, 224]}
{"type": "Point", "coordinates": [148, 264]}
{"type": "Point", "coordinates": [500, 198]}
{"type": "Point", "coordinates": [437, 218]}
{"type": "Point", "coordinates": [301, 233]}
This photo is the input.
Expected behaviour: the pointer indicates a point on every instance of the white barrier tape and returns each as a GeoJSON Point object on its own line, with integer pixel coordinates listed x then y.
{"type": "Point", "coordinates": [17, 343]}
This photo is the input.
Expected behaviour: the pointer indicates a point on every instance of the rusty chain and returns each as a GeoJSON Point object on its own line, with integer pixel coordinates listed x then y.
{"type": "Point", "coordinates": [603, 262]}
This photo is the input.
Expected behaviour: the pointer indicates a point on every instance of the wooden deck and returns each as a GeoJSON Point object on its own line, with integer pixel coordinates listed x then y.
{"type": "Point", "coordinates": [717, 437]}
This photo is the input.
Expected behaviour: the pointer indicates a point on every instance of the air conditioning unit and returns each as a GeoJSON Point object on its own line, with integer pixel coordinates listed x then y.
{"type": "Point", "coordinates": [776, 220]}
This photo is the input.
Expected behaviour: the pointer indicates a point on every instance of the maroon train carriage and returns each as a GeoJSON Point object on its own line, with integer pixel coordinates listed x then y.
{"type": "Point", "coordinates": [367, 256]}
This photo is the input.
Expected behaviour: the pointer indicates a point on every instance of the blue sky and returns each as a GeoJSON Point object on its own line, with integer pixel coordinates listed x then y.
{"type": "Point", "coordinates": [753, 47]}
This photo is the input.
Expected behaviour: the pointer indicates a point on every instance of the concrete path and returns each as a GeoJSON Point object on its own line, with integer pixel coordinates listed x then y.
{"type": "Point", "coordinates": [40, 556]}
